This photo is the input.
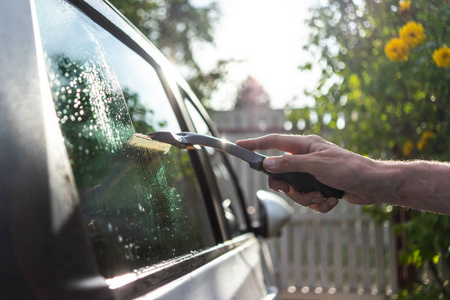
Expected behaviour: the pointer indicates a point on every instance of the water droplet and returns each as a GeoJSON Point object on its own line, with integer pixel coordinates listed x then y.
{"type": "Point", "coordinates": [110, 228]}
{"type": "Point", "coordinates": [120, 238]}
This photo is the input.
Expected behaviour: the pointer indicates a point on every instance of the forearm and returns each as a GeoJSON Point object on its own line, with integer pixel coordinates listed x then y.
{"type": "Point", "coordinates": [419, 185]}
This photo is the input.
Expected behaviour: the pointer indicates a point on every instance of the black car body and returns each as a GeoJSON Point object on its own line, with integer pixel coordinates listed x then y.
{"type": "Point", "coordinates": [88, 210]}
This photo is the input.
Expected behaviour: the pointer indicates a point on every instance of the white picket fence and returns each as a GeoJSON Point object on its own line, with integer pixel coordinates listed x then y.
{"type": "Point", "coordinates": [336, 253]}
{"type": "Point", "coordinates": [342, 254]}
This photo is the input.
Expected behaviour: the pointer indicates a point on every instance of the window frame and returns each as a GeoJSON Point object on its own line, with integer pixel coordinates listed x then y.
{"type": "Point", "coordinates": [111, 20]}
{"type": "Point", "coordinates": [189, 96]}
{"type": "Point", "coordinates": [47, 266]}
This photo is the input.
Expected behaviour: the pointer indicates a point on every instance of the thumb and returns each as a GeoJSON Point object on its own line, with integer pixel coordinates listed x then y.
{"type": "Point", "coordinates": [287, 163]}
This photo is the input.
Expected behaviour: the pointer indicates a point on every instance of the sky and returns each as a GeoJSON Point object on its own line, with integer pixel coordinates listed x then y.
{"type": "Point", "coordinates": [268, 37]}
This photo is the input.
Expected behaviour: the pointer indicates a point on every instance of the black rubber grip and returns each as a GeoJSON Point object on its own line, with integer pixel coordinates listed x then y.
{"type": "Point", "coordinates": [305, 183]}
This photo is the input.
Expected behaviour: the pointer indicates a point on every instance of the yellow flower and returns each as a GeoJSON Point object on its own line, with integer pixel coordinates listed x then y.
{"type": "Point", "coordinates": [427, 136]}
{"type": "Point", "coordinates": [404, 6]}
{"type": "Point", "coordinates": [421, 145]}
{"type": "Point", "coordinates": [412, 34]}
{"type": "Point", "coordinates": [408, 148]}
{"type": "Point", "coordinates": [441, 57]}
{"type": "Point", "coordinates": [397, 50]}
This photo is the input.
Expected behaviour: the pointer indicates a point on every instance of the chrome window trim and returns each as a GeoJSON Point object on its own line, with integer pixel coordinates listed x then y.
{"type": "Point", "coordinates": [237, 274]}
{"type": "Point", "coordinates": [149, 279]}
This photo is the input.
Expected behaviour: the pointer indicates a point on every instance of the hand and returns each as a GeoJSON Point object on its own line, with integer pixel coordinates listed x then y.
{"type": "Point", "coordinates": [330, 164]}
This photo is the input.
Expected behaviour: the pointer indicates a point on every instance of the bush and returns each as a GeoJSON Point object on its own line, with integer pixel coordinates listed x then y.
{"type": "Point", "coordinates": [384, 93]}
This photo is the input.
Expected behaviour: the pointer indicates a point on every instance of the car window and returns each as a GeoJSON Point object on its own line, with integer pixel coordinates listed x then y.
{"type": "Point", "coordinates": [141, 200]}
{"type": "Point", "coordinates": [231, 202]}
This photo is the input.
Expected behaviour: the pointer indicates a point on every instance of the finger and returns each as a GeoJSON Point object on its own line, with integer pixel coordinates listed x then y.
{"type": "Point", "coordinates": [287, 143]}
{"type": "Point", "coordinates": [278, 185]}
{"type": "Point", "coordinates": [327, 205]}
{"type": "Point", "coordinates": [308, 199]}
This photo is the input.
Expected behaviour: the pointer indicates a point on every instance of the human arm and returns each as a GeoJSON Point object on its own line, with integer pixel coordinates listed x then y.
{"type": "Point", "coordinates": [419, 184]}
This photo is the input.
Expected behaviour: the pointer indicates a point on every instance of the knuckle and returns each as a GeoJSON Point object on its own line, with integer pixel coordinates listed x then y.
{"type": "Point", "coordinates": [273, 184]}
{"type": "Point", "coordinates": [315, 137]}
{"type": "Point", "coordinates": [268, 141]}
{"type": "Point", "coordinates": [277, 185]}
{"type": "Point", "coordinates": [317, 143]}
{"type": "Point", "coordinates": [302, 199]}
{"type": "Point", "coordinates": [315, 157]}
{"type": "Point", "coordinates": [324, 209]}
{"type": "Point", "coordinates": [286, 160]}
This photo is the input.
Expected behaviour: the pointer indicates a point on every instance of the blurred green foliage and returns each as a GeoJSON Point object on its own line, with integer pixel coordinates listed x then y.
{"type": "Point", "coordinates": [384, 109]}
{"type": "Point", "coordinates": [175, 26]}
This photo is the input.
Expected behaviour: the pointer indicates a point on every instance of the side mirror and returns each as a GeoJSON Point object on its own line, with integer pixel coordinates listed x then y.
{"type": "Point", "coordinates": [275, 213]}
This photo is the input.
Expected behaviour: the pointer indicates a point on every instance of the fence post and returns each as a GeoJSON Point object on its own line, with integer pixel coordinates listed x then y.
{"type": "Point", "coordinates": [310, 251]}
{"type": "Point", "coordinates": [380, 261]}
{"type": "Point", "coordinates": [337, 256]}
{"type": "Point", "coordinates": [284, 263]}
{"type": "Point", "coordinates": [365, 256]}
{"type": "Point", "coordinates": [297, 254]}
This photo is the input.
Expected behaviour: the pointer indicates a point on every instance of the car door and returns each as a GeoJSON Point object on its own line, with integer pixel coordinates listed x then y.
{"type": "Point", "coordinates": [129, 217]}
